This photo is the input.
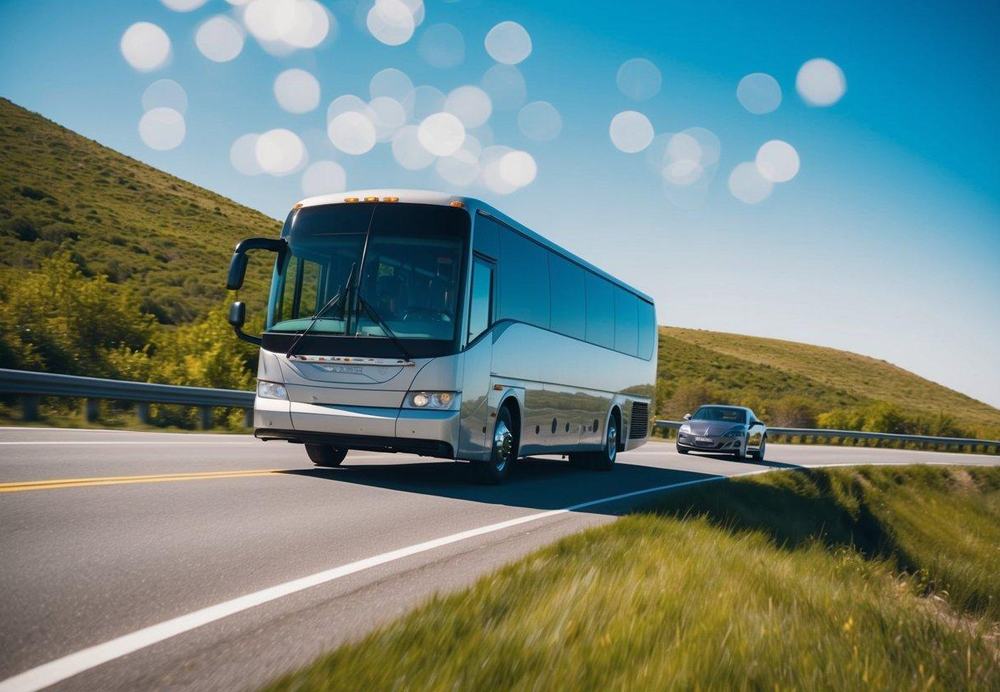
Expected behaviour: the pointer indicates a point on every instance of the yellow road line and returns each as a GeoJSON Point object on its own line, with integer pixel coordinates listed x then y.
{"type": "Point", "coordinates": [124, 480]}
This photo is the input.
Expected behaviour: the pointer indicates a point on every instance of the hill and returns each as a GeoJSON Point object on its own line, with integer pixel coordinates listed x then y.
{"type": "Point", "coordinates": [802, 385]}
{"type": "Point", "coordinates": [144, 229]}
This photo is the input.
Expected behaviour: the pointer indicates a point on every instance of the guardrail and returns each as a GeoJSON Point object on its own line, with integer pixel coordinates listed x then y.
{"type": "Point", "coordinates": [813, 434]}
{"type": "Point", "coordinates": [33, 385]}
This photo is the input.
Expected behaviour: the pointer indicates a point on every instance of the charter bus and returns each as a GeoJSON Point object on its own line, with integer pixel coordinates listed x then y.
{"type": "Point", "coordinates": [425, 323]}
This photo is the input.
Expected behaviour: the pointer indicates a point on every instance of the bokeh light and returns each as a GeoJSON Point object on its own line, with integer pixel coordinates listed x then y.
{"type": "Point", "coordinates": [345, 103]}
{"type": "Point", "coordinates": [423, 101]}
{"type": "Point", "coordinates": [389, 115]}
{"type": "Point", "coordinates": [777, 161]}
{"type": "Point", "coordinates": [461, 168]}
{"type": "Point", "coordinates": [540, 121]}
{"type": "Point", "coordinates": [441, 134]}
{"type": "Point", "coordinates": [219, 39]}
{"type": "Point", "coordinates": [283, 25]}
{"type": "Point", "coordinates": [243, 155]}
{"type": "Point", "coordinates": [490, 175]}
{"type": "Point", "coordinates": [162, 128]}
{"type": "Point", "coordinates": [748, 185]}
{"type": "Point", "coordinates": [639, 79]}
{"type": "Point", "coordinates": [352, 132]}
{"type": "Point", "coordinates": [820, 82]}
{"type": "Point", "coordinates": [297, 91]}
{"type": "Point", "coordinates": [505, 86]}
{"type": "Point", "coordinates": [631, 131]}
{"type": "Point", "coordinates": [279, 151]}
{"type": "Point", "coordinates": [323, 178]}
{"type": "Point", "coordinates": [518, 168]}
{"type": "Point", "coordinates": [392, 83]}
{"type": "Point", "coordinates": [391, 22]}
{"type": "Point", "coordinates": [165, 93]}
{"type": "Point", "coordinates": [470, 104]}
{"type": "Point", "coordinates": [183, 5]}
{"type": "Point", "coordinates": [759, 93]}
{"type": "Point", "coordinates": [145, 46]}
{"type": "Point", "coordinates": [442, 46]}
{"type": "Point", "coordinates": [508, 43]}
{"type": "Point", "coordinates": [408, 151]}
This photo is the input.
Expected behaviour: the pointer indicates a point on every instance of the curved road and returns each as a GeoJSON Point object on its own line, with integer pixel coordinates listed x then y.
{"type": "Point", "coordinates": [183, 561]}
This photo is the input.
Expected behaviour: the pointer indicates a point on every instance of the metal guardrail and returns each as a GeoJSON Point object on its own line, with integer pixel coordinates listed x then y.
{"type": "Point", "coordinates": [32, 385]}
{"type": "Point", "coordinates": [827, 434]}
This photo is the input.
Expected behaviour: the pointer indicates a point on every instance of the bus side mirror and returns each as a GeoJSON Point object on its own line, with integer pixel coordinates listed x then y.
{"type": "Point", "coordinates": [237, 318]}
{"type": "Point", "coordinates": [238, 263]}
{"type": "Point", "coordinates": [238, 314]}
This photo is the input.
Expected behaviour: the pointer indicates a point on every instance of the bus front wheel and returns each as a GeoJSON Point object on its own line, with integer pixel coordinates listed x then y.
{"type": "Point", "coordinates": [326, 455]}
{"type": "Point", "coordinates": [504, 450]}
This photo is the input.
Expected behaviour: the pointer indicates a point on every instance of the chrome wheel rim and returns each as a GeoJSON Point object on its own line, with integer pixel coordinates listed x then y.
{"type": "Point", "coordinates": [612, 442]}
{"type": "Point", "coordinates": [503, 445]}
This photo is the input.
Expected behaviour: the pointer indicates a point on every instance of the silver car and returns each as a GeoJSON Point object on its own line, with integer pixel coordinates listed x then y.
{"type": "Point", "coordinates": [733, 430]}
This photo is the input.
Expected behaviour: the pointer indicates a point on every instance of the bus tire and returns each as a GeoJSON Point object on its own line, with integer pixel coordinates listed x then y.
{"type": "Point", "coordinates": [604, 460]}
{"type": "Point", "coordinates": [581, 460]}
{"type": "Point", "coordinates": [503, 451]}
{"type": "Point", "coordinates": [326, 455]}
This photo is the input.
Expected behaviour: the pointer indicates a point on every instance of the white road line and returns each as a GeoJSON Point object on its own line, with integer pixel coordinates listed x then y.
{"type": "Point", "coordinates": [73, 664]}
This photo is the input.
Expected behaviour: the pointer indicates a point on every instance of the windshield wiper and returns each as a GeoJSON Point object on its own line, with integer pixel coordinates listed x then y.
{"type": "Point", "coordinates": [385, 327]}
{"type": "Point", "coordinates": [322, 311]}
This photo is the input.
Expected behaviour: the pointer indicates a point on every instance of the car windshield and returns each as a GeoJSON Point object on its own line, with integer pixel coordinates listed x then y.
{"type": "Point", "coordinates": [401, 262]}
{"type": "Point", "coordinates": [720, 413]}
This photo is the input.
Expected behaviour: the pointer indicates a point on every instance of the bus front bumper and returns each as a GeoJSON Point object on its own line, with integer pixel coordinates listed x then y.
{"type": "Point", "coordinates": [414, 431]}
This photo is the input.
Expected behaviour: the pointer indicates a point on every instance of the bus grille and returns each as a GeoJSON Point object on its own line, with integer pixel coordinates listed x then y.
{"type": "Point", "coordinates": [639, 425]}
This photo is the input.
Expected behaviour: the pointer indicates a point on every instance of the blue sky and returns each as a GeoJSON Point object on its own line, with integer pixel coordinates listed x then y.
{"type": "Point", "coordinates": [886, 242]}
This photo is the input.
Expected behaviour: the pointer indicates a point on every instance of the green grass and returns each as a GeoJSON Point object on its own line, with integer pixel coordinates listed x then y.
{"type": "Point", "coordinates": [883, 578]}
{"type": "Point", "coordinates": [829, 378]}
{"type": "Point", "coordinates": [142, 228]}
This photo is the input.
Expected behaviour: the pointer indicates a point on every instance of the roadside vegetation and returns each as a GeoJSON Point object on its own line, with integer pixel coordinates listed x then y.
{"type": "Point", "coordinates": [872, 577]}
{"type": "Point", "coordinates": [111, 268]}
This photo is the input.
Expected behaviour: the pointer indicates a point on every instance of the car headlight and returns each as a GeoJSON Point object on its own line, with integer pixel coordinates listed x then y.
{"type": "Point", "coordinates": [685, 428]}
{"type": "Point", "coordinates": [271, 390]}
{"type": "Point", "coordinates": [435, 400]}
{"type": "Point", "coordinates": [735, 432]}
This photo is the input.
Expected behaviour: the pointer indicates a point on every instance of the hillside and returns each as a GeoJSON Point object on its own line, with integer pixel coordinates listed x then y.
{"type": "Point", "coordinates": [142, 228]}
{"type": "Point", "coordinates": [784, 376]}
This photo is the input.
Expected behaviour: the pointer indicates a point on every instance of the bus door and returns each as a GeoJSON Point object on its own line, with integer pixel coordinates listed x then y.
{"type": "Point", "coordinates": [473, 442]}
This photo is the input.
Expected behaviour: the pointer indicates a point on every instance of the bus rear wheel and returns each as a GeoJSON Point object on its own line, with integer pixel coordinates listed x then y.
{"type": "Point", "coordinates": [326, 455]}
{"type": "Point", "coordinates": [603, 460]}
{"type": "Point", "coordinates": [503, 452]}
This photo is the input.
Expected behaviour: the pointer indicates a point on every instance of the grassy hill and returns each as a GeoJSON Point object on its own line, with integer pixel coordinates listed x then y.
{"type": "Point", "coordinates": [799, 384]}
{"type": "Point", "coordinates": [142, 228]}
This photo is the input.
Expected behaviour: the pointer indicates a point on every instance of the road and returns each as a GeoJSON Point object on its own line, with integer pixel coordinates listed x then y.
{"type": "Point", "coordinates": [194, 562]}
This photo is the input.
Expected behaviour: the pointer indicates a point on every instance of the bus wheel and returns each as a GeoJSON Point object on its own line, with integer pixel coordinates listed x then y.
{"type": "Point", "coordinates": [495, 469]}
{"type": "Point", "coordinates": [604, 460]}
{"type": "Point", "coordinates": [581, 460]}
{"type": "Point", "coordinates": [326, 455]}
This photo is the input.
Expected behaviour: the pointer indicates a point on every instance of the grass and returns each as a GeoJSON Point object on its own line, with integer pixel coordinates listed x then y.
{"type": "Point", "coordinates": [884, 578]}
{"type": "Point", "coordinates": [143, 228]}
{"type": "Point", "coordinates": [830, 377]}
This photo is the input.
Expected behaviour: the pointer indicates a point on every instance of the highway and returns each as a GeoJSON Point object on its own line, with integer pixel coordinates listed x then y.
{"type": "Point", "coordinates": [204, 562]}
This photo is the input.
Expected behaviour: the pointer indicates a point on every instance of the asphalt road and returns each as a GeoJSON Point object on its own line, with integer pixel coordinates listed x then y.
{"type": "Point", "coordinates": [192, 562]}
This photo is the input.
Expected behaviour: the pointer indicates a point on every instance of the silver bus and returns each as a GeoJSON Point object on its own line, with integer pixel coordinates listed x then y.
{"type": "Point", "coordinates": [430, 324]}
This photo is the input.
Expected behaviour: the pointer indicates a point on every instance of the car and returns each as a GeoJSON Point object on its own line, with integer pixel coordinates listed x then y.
{"type": "Point", "coordinates": [719, 429]}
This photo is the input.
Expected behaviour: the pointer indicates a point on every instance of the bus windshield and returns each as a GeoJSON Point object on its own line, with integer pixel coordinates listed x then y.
{"type": "Point", "coordinates": [394, 264]}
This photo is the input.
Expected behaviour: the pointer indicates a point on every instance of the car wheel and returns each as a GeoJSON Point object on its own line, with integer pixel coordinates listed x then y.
{"type": "Point", "coordinates": [759, 454]}
{"type": "Point", "coordinates": [741, 453]}
{"type": "Point", "coordinates": [326, 455]}
{"type": "Point", "coordinates": [503, 452]}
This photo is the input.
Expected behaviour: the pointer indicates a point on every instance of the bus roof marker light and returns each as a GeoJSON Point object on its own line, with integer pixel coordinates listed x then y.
{"type": "Point", "coordinates": [371, 199]}
{"type": "Point", "coordinates": [457, 203]}
{"type": "Point", "coordinates": [390, 199]}
{"type": "Point", "coordinates": [351, 199]}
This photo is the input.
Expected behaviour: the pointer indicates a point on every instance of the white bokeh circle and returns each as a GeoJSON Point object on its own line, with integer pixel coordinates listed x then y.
{"type": "Point", "coordinates": [279, 151]}
{"type": "Point", "coordinates": [639, 79]}
{"type": "Point", "coordinates": [508, 43]}
{"type": "Point", "coordinates": [748, 185]}
{"type": "Point", "coordinates": [297, 91]}
{"type": "Point", "coordinates": [352, 132]}
{"type": "Point", "coordinates": [219, 38]}
{"type": "Point", "coordinates": [777, 161]}
{"type": "Point", "coordinates": [162, 128]}
{"type": "Point", "coordinates": [820, 82]}
{"type": "Point", "coordinates": [323, 178]}
{"type": "Point", "coordinates": [243, 155]}
{"type": "Point", "coordinates": [165, 93]}
{"type": "Point", "coordinates": [759, 93]}
{"type": "Point", "coordinates": [145, 46]}
{"type": "Point", "coordinates": [540, 121]}
{"type": "Point", "coordinates": [631, 131]}
{"type": "Point", "coordinates": [441, 133]}
{"type": "Point", "coordinates": [470, 104]}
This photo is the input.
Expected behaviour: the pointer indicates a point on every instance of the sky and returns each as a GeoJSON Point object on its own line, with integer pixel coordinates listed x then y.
{"type": "Point", "coordinates": [861, 211]}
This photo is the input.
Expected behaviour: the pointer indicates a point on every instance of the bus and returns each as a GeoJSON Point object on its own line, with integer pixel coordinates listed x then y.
{"type": "Point", "coordinates": [431, 324]}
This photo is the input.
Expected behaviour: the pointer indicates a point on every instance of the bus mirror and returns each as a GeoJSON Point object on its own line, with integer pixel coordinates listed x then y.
{"type": "Point", "coordinates": [238, 314]}
{"type": "Point", "coordinates": [238, 264]}
{"type": "Point", "coordinates": [237, 268]}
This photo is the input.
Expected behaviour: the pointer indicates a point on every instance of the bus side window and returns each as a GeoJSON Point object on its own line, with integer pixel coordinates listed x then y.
{"type": "Point", "coordinates": [481, 303]}
{"type": "Point", "coordinates": [647, 329]}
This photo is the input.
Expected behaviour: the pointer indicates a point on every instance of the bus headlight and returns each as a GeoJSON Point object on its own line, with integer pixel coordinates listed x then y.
{"type": "Point", "coordinates": [435, 400]}
{"type": "Point", "coordinates": [271, 390]}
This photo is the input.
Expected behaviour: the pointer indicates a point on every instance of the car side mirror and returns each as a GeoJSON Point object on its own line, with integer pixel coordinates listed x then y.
{"type": "Point", "coordinates": [687, 416]}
